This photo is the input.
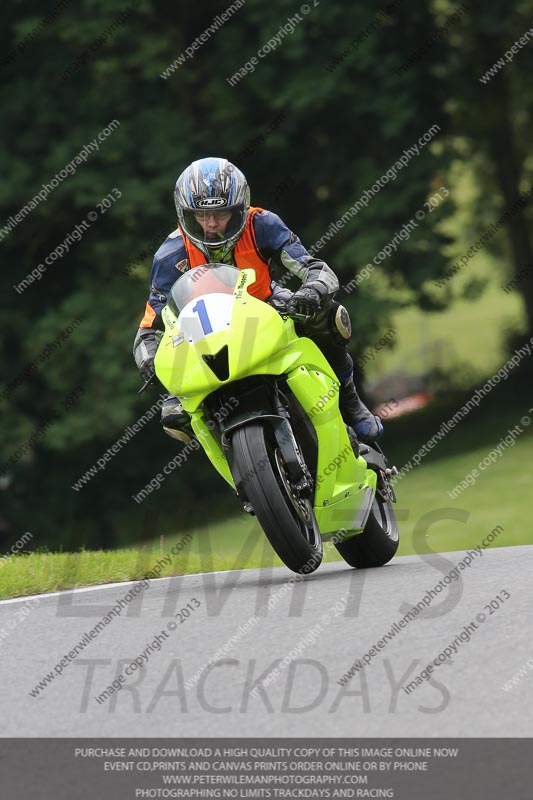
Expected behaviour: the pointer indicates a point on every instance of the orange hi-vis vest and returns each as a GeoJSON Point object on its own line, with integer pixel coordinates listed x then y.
{"type": "Point", "coordinates": [245, 254]}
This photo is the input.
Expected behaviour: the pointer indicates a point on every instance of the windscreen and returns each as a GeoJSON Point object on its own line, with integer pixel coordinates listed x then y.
{"type": "Point", "coordinates": [206, 279]}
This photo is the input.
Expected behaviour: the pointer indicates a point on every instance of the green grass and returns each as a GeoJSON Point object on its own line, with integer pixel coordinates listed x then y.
{"type": "Point", "coordinates": [468, 335]}
{"type": "Point", "coordinates": [497, 498]}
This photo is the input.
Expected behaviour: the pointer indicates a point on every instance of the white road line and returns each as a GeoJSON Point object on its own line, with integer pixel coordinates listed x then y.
{"type": "Point", "coordinates": [113, 585]}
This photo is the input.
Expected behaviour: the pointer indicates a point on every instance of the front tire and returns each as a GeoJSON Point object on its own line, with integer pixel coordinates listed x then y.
{"type": "Point", "coordinates": [378, 542]}
{"type": "Point", "coordinates": [287, 519]}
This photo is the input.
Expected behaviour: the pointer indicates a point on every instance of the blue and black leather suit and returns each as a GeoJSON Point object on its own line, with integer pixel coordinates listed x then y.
{"type": "Point", "coordinates": [283, 250]}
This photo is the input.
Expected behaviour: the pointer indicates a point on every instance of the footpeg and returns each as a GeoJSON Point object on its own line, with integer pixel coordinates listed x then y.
{"type": "Point", "coordinates": [384, 486]}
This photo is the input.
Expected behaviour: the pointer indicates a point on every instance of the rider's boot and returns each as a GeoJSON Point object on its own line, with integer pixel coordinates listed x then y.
{"type": "Point", "coordinates": [176, 422]}
{"type": "Point", "coordinates": [367, 427]}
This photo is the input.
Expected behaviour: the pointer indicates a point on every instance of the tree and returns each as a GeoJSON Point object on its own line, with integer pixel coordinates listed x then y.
{"type": "Point", "coordinates": [493, 113]}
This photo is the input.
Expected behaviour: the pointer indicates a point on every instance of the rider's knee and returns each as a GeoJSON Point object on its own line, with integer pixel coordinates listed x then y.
{"type": "Point", "coordinates": [341, 323]}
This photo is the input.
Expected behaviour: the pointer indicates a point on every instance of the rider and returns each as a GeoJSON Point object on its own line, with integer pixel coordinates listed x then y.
{"type": "Point", "coordinates": [217, 224]}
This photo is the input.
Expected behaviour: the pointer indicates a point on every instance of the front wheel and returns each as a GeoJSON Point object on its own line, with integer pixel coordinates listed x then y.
{"type": "Point", "coordinates": [287, 518]}
{"type": "Point", "coordinates": [379, 540]}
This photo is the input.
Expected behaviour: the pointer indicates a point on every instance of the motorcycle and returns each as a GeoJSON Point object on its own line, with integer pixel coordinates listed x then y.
{"type": "Point", "coordinates": [263, 403]}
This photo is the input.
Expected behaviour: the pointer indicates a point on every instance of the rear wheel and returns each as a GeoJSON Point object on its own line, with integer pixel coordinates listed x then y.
{"type": "Point", "coordinates": [286, 517]}
{"type": "Point", "coordinates": [379, 540]}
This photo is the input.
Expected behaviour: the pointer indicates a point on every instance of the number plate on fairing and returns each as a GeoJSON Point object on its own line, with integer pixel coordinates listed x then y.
{"type": "Point", "coordinates": [210, 313]}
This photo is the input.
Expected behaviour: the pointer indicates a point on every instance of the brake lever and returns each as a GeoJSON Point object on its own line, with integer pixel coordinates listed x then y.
{"type": "Point", "coordinates": [302, 317]}
{"type": "Point", "coordinates": [284, 312]}
{"type": "Point", "coordinates": [145, 386]}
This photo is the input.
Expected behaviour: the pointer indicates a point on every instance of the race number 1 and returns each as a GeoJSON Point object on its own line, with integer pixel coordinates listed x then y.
{"type": "Point", "coordinates": [201, 310]}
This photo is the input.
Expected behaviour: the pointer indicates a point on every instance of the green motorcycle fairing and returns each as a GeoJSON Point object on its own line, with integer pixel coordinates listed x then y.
{"type": "Point", "coordinates": [217, 333]}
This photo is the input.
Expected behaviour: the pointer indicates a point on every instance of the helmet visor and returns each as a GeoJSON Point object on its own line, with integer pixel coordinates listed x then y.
{"type": "Point", "coordinates": [213, 226]}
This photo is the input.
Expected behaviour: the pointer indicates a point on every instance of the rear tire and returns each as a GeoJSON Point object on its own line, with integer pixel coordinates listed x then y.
{"type": "Point", "coordinates": [379, 540]}
{"type": "Point", "coordinates": [287, 520]}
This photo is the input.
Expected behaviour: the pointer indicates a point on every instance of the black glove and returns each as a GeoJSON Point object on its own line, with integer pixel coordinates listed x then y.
{"type": "Point", "coordinates": [144, 350]}
{"type": "Point", "coordinates": [147, 369]}
{"type": "Point", "coordinates": [306, 301]}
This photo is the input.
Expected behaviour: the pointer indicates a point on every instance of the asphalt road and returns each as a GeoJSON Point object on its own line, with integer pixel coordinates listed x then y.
{"type": "Point", "coordinates": [314, 631]}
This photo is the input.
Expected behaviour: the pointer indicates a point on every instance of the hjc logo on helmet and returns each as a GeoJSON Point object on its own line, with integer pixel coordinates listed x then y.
{"type": "Point", "coordinates": [210, 202]}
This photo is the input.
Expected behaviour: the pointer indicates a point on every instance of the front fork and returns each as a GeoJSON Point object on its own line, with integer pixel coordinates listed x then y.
{"type": "Point", "coordinates": [261, 403]}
